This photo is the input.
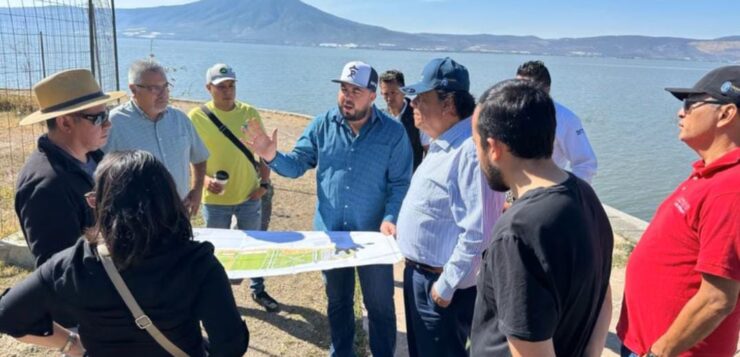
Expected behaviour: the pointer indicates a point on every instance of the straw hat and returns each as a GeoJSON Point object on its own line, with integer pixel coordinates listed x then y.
{"type": "Point", "coordinates": [67, 92]}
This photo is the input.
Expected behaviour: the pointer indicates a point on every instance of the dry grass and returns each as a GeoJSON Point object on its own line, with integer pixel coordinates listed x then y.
{"type": "Point", "coordinates": [621, 253]}
{"type": "Point", "coordinates": [18, 102]}
{"type": "Point", "coordinates": [16, 143]}
{"type": "Point", "coordinates": [301, 328]}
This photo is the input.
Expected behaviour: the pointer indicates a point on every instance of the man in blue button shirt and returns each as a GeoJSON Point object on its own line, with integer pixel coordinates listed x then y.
{"type": "Point", "coordinates": [446, 218]}
{"type": "Point", "coordinates": [363, 161]}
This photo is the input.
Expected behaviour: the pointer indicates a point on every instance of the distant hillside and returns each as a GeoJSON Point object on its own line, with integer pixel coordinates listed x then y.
{"type": "Point", "coordinates": [292, 22]}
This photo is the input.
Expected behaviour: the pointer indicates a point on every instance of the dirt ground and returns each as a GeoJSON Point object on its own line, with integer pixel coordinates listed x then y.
{"type": "Point", "coordinates": [300, 328]}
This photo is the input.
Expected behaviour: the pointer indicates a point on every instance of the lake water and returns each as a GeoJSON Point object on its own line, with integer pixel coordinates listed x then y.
{"type": "Point", "coordinates": [629, 118]}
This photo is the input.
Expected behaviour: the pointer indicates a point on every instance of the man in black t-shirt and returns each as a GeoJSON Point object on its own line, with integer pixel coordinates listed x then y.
{"type": "Point", "coordinates": [543, 289]}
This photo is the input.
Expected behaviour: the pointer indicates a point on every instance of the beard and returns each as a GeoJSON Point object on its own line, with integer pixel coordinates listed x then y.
{"type": "Point", "coordinates": [493, 175]}
{"type": "Point", "coordinates": [358, 115]}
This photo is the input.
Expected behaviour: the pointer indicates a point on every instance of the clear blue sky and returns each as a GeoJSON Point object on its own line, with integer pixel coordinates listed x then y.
{"type": "Point", "coordinates": [544, 18]}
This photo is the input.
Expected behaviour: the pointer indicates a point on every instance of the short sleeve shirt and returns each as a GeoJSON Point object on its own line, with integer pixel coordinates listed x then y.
{"type": "Point", "coordinates": [171, 139]}
{"type": "Point", "coordinates": [225, 156]}
{"type": "Point", "coordinates": [546, 272]}
{"type": "Point", "coordinates": [695, 231]}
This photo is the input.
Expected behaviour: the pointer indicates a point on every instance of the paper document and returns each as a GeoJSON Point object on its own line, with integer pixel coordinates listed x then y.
{"type": "Point", "coordinates": [247, 254]}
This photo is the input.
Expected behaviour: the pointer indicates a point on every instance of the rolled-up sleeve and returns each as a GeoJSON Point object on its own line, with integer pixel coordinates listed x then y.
{"type": "Point", "coordinates": [24, 308]}
{"type": "Point", "coordinates": [466, 205]}
{"type": "Point", "coordinates": [303, 157]}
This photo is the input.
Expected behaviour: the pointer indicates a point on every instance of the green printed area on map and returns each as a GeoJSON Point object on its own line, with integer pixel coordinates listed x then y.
{"type": "Point", "coordinates": [233, 259]}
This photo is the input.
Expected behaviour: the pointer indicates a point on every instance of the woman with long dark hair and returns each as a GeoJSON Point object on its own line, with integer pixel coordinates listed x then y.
{"type": "Point", "coordinates": [177, 282]}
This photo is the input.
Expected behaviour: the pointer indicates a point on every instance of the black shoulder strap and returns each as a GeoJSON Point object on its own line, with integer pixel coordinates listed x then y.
{"type": "Point", "coordinates": [229, 135]}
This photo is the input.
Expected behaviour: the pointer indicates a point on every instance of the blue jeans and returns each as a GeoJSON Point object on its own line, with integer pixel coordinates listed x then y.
{"type": "Point", "coordinates": [248, 218]}
{"type": "Point", "coordinates": [376, 282]}
{"type": "Point", "coordinates": [433, 330]}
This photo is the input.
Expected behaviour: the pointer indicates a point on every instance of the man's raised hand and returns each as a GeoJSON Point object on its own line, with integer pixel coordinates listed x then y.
{"type": "Point", "coordinates": [257, 140]}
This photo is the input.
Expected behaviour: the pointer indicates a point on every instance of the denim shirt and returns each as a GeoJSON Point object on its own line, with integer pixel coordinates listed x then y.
{"type": "Point", "coordinates": [361, 179]}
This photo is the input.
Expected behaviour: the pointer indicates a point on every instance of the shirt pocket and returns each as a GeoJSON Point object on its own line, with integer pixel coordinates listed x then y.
{"type": "Point", "coordinates": [178, 143]}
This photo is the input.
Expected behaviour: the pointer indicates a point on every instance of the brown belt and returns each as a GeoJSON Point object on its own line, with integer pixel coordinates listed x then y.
{"type": "Point", "coordinates": [431, 269]}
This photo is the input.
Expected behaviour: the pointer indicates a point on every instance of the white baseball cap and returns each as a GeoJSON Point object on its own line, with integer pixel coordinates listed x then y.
{"type": "Point", "coordinates": [219, 73]}
{"type": "Point", "coordinates": [359, 74]}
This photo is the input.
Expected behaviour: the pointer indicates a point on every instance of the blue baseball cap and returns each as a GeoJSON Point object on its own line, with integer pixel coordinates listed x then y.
{"type": "Point", "coordinates": [441, 73]}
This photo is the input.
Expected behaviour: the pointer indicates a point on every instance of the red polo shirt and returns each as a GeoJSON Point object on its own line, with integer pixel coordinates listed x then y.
{"type": "Point", "coordinates": [695, 230]}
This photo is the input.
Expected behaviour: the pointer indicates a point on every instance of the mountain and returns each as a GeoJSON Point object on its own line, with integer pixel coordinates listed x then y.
{"type": "Point", "coordinates": [292, 22]}
{"type": "Point", "coordinates": [288, 22]}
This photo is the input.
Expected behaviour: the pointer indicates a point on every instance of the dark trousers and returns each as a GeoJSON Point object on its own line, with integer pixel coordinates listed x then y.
{"type": "Point", "coordinates": [376, 282]}
{"type": "Point", "coordinates": [433, 330]}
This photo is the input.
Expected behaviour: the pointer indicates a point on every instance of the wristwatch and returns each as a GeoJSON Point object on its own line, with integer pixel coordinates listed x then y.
{"type": "Point", "coordinates": [265, 185]}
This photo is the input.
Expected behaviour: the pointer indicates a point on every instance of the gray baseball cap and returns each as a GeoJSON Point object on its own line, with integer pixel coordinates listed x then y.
{"type": "Point", "coordinates": [219, 73]}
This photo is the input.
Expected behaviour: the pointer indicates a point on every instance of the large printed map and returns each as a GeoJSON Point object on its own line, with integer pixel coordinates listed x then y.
{"type": "Point", "coordinates": [246, 254]}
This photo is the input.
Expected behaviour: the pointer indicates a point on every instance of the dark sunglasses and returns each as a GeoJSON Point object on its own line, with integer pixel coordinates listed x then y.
{"type": "Point", "coordinates": [689, 104]}
{"type": "Point", "coordinates": [97, 118]}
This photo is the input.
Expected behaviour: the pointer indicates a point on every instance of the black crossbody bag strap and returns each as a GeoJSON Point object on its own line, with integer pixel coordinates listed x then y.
{"type": "Point", "coordinates": [229, 135]}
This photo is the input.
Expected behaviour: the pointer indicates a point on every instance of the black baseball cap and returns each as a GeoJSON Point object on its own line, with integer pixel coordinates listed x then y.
{"type": "Point", "coordinates": [721, 83]}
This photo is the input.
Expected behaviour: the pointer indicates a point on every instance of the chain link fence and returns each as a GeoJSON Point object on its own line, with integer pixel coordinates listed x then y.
{"type": "Point", "coordinates": [39, 38]}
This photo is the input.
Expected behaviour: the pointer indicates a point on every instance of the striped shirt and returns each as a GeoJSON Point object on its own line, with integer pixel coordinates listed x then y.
{"type": "Point", "coordinates": [171, 139]}
{"type": "Point", "coordinates": [448, 214]}
{"type": "Point", "coordinates": [360, 179]}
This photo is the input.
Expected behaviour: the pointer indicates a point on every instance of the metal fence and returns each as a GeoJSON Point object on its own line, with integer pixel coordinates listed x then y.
{"type": "Point", "coordinates": [39, 38]}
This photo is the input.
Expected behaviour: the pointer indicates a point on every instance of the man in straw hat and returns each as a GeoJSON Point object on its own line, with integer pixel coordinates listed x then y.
{"type": "Point", "coordinates": [50, 191]}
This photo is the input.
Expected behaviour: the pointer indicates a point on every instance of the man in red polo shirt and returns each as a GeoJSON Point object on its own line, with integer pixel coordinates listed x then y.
{"type": "Point", "coordinates": [683, 278]}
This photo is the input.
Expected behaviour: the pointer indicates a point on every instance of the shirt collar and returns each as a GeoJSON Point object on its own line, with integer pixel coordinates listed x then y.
{"type": "Point", "coordinates": [461, 130]}
{"type": "Point", "coordinates": [727, 160]}
{"type": "Point", "coordinates": [403, 110]}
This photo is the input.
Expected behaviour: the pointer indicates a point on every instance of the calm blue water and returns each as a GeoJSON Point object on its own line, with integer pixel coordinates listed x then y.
{"type": "Point", "coordinates": [629, 118]}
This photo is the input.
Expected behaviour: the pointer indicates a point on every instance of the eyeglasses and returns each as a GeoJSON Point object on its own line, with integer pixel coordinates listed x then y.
{"type": "Point", "coordinates": [690, 104]}
{"type": "Point", "coordinates": [154, 88]}
{"type": "Point", "coordinates": [97, 118]}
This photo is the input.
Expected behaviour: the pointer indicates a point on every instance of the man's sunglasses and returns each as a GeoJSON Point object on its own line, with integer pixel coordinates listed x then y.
{"type": "Point", "coordinates": [97, 118]}
{"type": "Point", "coordinates": [689, 104]}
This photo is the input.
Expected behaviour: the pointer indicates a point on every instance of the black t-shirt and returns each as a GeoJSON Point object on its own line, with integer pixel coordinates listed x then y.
{"type": "Point", "coordinates": [545, 273]}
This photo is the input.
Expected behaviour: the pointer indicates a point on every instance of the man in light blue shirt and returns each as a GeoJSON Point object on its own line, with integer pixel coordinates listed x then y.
{"type": "Point", "coordinates": [446, 218]}
{"type": "Point", "coordinates": [148, 123]}
{"type": "Point", "coordinates": [363, 161]}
